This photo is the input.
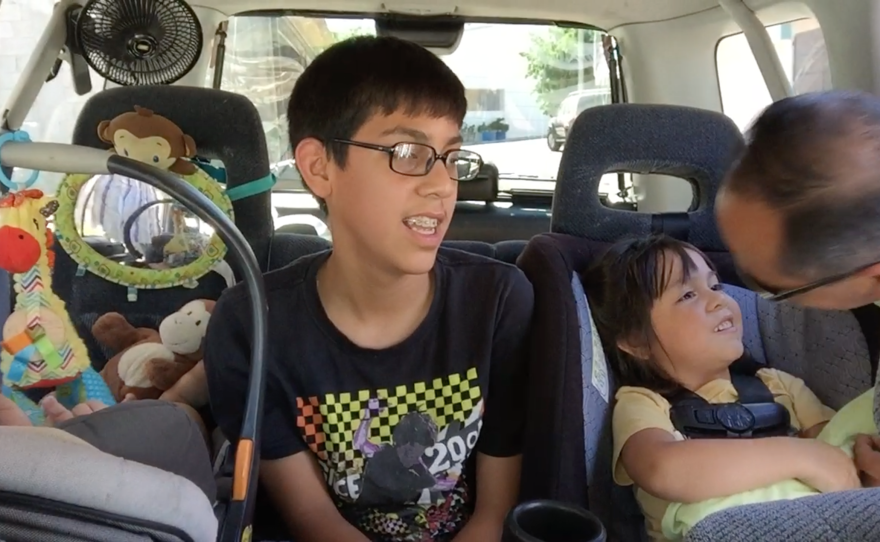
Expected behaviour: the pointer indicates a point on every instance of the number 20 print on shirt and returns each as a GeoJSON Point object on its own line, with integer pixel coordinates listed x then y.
{"type": "Point", "coordinates": [394, 458]}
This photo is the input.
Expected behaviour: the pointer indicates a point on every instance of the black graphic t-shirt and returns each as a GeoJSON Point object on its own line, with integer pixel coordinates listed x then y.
{"type": "Point", "coordinates": [394, 430]}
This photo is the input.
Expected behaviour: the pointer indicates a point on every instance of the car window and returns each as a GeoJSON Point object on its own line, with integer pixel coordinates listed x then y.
{"type": "Point", "coordinates": [585, 102]}
{"type": "Point", "coordinates": [57, 106]}
{"type": "Point", "coordinates": [513, 90]}
{"type": "Point", "coordinates": [801, 49]}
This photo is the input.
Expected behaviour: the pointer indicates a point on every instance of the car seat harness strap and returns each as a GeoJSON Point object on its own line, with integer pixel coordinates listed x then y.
{"type": "Point", "coordinates": [754, 415]}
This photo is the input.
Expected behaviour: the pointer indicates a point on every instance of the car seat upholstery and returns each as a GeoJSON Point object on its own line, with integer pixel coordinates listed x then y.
{"type": "Point", "coordinates": [302, 229]}
{"type": "Point", "coordinates": [481, 216]}
{"type": "Point", "coordinates": [76, 493]}
{"type": "Point", "coordinates": [287, 247]}
{"type": "Point", "coordinates": [475, 215]}
{"type": "Point", "coordinates": [505, 251]}
{"type": "Point", "coordinates": [234, 136]}
{"type": "Point", "coordinates": [568, 449]}
{"type": "Point", "coordinates": [835, 517]}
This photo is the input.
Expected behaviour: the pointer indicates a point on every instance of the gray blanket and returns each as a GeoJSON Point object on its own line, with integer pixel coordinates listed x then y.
{"type": "Point", "coordinates": [852, 516]}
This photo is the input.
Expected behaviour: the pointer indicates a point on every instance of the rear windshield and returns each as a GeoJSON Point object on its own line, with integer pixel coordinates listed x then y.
{"type": "Point", "coordinates": [517, 77]}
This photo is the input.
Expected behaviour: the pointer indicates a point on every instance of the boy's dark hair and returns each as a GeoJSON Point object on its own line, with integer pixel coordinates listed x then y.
{"type": "Point", "coordinates": [815, 158]}
{"type": "Point", "coordinates": [623, 286]}
{"type": "Point", "coordinates": [360, 77]}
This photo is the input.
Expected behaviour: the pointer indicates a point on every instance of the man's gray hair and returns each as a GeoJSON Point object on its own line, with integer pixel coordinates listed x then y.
{"type": "Point", "coordinates": [816, 159]}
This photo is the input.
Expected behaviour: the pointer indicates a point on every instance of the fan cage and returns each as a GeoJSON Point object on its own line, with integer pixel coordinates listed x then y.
{"type": "Point", "coordinates": [169, 31]}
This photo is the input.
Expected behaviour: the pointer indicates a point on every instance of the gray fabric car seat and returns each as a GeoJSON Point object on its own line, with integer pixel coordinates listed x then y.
{"type": "Point", "coordinates": [288, 247]}
{"type": "Point", "coordinates": [849, 516]}
{"type": "Point", "coordinates": [568, 448]}
{"type": "Point", "coordinates": [57, 488]}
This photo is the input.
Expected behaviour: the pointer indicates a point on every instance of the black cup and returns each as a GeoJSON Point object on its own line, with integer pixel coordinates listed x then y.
{"type": "Point", "coordinates": [551, 521]}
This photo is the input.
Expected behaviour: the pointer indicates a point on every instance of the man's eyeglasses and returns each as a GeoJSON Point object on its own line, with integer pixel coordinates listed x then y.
{"type": "Point", "coordinates": [776, 295]}
{"type": "Point", "coordinates": [417, 159]}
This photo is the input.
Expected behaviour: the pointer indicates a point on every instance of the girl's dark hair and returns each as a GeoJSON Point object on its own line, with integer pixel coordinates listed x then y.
{"type": "Point", "coordinates": [623, 286]}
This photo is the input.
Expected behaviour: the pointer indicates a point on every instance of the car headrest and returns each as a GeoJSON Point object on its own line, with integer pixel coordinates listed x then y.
{"type": "Point", "coordinates": [693, 144]}
{"type": "Point", "coordinates": [483, 188]}
{"type": "Point", "coordinates": [225, 126]}
{"type": "Point", "coordinates": [297, 228]}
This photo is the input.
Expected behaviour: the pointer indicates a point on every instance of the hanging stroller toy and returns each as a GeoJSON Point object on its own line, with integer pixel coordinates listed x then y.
{"type": "Point", "coordinates": [19, 152]}
{"type": "Point", "coordinates": [39, 346]}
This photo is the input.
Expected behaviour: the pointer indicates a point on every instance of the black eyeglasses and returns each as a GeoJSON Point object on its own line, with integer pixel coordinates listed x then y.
{"type": "Point", "coordinates": [417, 159]}
{"type": "Point", "coordinates": [775, 295]}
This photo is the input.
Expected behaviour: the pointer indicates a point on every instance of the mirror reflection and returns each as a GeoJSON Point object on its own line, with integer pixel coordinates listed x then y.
{"type": "Point", "coordinates": [137, 225]}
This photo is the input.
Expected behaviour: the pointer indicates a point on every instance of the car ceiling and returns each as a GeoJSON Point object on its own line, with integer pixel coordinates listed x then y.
{"type": "Point", "coordinates": [606, 14]}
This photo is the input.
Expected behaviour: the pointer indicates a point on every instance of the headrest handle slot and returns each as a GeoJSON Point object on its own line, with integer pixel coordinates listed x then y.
{"type": "Point", "coordinates": [676, 225]}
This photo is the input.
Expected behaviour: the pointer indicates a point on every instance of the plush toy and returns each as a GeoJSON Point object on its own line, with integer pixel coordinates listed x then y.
{"type": "Point", "coordinates": [145, 136]}
{"type": "Point", "coordinates": [153, 139]}
{"type": "Point", "coordinates": [148, 362]}
{"type": "Point", "coordinates": [40, 347]}
{"type": "Point", "coordinates": [164, 247]}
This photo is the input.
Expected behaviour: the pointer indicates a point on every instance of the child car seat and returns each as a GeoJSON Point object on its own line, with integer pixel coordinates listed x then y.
{"type": "Point", "coordinates": [57, 490]}
{"type": "Point", "coordinates": [568, 448]}
{"type": "Point", "coordinates": [236, 138]}
{"type": "Point", "coordinates": [56, 487]}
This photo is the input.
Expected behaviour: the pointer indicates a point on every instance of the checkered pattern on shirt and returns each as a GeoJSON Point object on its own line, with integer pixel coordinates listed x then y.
{"type": "Point", "coordinates": [328, 424]}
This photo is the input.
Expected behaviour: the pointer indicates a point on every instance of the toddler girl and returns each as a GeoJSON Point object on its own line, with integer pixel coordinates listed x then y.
{"type": "Point", "coordinates": [662, 313]}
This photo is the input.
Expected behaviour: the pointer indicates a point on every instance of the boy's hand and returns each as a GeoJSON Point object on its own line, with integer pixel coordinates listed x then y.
{"type": "Point", "coordinates": [477, 530]}
{"type": "Point", "coordinates": [866, 452]}
{"type": "Point", "coordinates": [498, 480]}
{"type": "Point", "coordinates": [826, 467]}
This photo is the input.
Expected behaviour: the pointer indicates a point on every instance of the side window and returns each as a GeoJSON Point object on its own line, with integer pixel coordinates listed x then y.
{"type": "Point", "coordinates": [56, 108]}
{"type": "Point", "coordinates": [801, 49]}
{"type": "Point", "coordinates": [265, 55]}
{"type": "Point", "coordinates": [482, 99]}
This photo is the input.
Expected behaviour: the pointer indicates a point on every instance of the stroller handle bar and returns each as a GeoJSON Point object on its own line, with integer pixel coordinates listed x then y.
{"type": "Point", "coordinates": [63, 158]}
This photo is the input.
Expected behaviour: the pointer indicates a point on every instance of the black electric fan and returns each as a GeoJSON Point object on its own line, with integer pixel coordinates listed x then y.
{"type": "Point", "coordinates": [138, 42]}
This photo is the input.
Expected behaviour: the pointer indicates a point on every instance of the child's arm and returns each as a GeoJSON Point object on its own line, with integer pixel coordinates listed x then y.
{"type": "Point", "coordinates": [690, 471]}
{"type": "Point", "coordinates": [296, 487]}
{"type": "Point", "coordinates": [191, 389]}
{"type": "Point", "coordinates": [695, 470]}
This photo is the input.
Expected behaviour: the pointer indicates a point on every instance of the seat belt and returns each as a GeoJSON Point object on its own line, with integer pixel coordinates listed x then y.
{"type": "Point", "coordinates": [675, 225]}
{"type": "Point", "coordinates": [754, 415]}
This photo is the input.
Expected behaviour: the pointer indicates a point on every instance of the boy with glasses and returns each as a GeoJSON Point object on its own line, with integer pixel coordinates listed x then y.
{"type": "Point", "coordinates": [397, 368]}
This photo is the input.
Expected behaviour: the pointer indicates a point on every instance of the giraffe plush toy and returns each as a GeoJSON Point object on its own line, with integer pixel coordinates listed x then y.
{"type": "Point", "coordinates": [40, 348]}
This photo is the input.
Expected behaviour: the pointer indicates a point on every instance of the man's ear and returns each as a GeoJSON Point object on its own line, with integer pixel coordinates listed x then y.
{"type": "Point", "coordinates": [312, 162]}
{"type": "Point", "coordinates": [873, 271]}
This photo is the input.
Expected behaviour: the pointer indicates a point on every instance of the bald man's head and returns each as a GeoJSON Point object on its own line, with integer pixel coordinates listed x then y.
{"type": "Point", "coordinates": [803, 200]}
